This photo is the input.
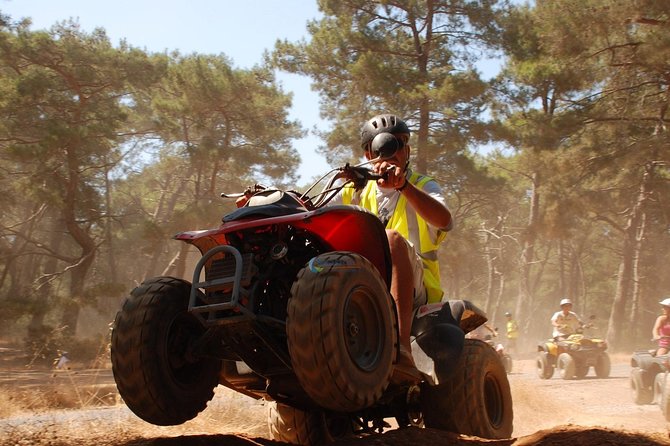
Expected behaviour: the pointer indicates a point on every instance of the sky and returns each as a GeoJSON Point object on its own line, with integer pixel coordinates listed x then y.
{"type": "Point", "coordinates": [242, 30]}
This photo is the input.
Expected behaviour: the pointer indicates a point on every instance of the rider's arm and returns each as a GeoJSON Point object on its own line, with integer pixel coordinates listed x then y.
{"type": "Point", "coordinates": [554, 320]}
{"type": "Point", "coordinates": [434, 211]}
{"type": "Point", "coordinates": [656, 331]}
{"type": "Point", "coordinates": [429, 208]}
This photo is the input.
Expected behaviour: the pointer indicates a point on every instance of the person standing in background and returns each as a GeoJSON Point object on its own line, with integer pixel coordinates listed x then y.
{"type": "Point", "coordinates": [512, 329]}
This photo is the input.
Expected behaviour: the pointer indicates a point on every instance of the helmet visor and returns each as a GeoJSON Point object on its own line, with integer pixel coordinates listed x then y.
{"type": "Point", "coordinates": [385, 145]}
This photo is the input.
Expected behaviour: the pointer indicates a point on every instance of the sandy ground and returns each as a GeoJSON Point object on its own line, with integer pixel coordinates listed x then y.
{"type": "Point", "coordinates": [547, 412]}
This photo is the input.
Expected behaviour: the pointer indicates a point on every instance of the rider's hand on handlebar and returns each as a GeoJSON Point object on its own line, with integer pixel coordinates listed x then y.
{"type": "Point", "coordinates": [393, 177]}
{"type": "Point", "coordinates": [247, 194]}
{"type": "Point", "coordinates": [240, 202]}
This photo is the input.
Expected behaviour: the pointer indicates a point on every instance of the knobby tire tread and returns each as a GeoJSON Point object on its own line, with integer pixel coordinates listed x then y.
{"type": "Point", "coordinates": [295, 426]}
{"type": "Point", "coordinates": [462, 404]}
{"type": "Point", "coordinates": [146, 388]}
{"type": "Point", "coordinates": [315, 338]}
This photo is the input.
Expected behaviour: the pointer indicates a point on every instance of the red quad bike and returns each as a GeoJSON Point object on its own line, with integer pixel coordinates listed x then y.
{"type": "Point", "coordinates": [290, 303]}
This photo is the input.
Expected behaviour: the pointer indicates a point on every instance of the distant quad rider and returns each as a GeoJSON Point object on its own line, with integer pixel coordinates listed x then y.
{"type": "Point", "coordinates": [661, 330]}
{"type": "Point", "coordinates": [565, 321]}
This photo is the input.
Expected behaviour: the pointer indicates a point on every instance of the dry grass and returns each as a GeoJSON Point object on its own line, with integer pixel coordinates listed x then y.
{"type": "Point", "coordinates": [228, 413]}
{"type": "Point", "coordinates": [28, 386]}
{"type": "Point", "coordinates": [15, 400]}
{"type": "Point", "coordinates": [79, 404]}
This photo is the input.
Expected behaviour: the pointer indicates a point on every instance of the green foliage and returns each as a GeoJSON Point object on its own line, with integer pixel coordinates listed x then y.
{"type": "Point", "coordinates": [407, 57]}
{"type": "Point", "coordinates": [74, 114]}
{"type": "Point", "coordinates": [215, 112]}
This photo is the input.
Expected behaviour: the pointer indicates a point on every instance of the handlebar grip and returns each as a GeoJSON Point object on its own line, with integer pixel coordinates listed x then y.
{"type": "Point", "coordinates": [376, 176]}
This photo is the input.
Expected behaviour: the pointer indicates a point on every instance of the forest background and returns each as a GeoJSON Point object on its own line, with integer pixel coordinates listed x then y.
{"type": "Point", "coordinates": [106, 151]}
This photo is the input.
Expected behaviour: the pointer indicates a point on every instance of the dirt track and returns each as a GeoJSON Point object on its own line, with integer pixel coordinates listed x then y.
{"type": "Point", "coordinates": [547, 412]}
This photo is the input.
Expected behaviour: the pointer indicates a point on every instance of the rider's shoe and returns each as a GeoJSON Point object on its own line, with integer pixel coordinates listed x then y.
{"type": "Point", "coordinates": [405, 371]}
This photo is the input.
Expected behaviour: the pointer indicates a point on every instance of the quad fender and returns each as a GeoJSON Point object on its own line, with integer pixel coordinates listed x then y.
{"type": "Point", "coordinates": [338, 227]}
{"type": "Point", "coordinates": [548, 346]}
{"type": "Point", "coordinates": [440, 328]}
{"type": "Point", "coordinates": [648, 362]}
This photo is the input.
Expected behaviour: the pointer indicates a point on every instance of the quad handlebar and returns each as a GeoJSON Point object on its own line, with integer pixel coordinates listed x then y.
{"type": "Point", "coordinates": [358, 174]}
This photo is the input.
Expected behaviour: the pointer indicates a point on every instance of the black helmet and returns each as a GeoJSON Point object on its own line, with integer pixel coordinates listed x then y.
{"type": "Point", "coordinates": [385, 123]}
{"type": "Point", "coordinates": [507, 313]}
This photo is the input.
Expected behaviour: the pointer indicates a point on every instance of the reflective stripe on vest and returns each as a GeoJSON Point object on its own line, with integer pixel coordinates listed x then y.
{"type": "Point", "coordinates": [411, 226]}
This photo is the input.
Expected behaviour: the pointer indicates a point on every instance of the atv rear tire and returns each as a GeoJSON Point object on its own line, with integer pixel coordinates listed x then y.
{"type": "Point", "coordinates": [565, 364]}
{"type": "Point", "coordinates": [154, 371]}
{"type": "Point", "coordinates": [665, 398]}
{"type": "Point", "coordinates": [474, 399]}
{"type": "Point", "coordinates": [603, 366]}
{"type": "Point", "coordinates": [290, 425]}
{"type": "Point", "coordinates": [659, 385]}
{"type": "Point", "coordinates": [543, 367]}
{"type": "Point", "coordinates": [642, 394]}
{"type": "Point", "coordinates": [507, 362]}
{"type": "Point", "coordinates": [342, 331]}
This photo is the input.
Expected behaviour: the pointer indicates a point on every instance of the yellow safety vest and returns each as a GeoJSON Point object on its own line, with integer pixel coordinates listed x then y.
{"type": "Point", "coordinates": [512, 329]}
{"type": "Point", "coordinates": [411, 226]}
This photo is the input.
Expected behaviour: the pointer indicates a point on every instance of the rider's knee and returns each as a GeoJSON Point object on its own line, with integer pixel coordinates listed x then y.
{"type": "Point", "coordinates": [397, 243]}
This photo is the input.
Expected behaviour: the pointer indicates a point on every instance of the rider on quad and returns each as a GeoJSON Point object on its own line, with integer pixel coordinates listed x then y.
{"type": "Point", "coordinates": [292, 301]}
{"type": "Point", "coordinates": [565, 321]}
{"type": "Point", "coordinates": [413, 210]}
{"type": "Point", "coordinates": [661, 330]}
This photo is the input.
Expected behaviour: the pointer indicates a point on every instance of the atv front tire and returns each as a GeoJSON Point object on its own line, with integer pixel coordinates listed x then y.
{"type": "Point", "coordinates": [665, 398]}
{"type": "Point", "coordinates": [342, 331]}
{"type": "Point", "coordinates": [543, 367]}
{"type": "Point", "coordinates": [473, 399]}
{"type": "Point", "coordinates": [314, 428]}
{"type": "Point", "coordinates": [155, 373]}
{"type": "Point", "coordinates": [507, 362]}
{"type": "Point", "coordinates": [565, 364]}
{"type": "Point", "coordinates": [603, 366]}
{"type": "Point", "coordinates": [642, 394]}
{"type": "Point", "coordinates": [659, 385]}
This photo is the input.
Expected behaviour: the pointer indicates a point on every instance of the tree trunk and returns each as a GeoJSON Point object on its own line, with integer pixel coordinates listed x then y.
{"type": "Point", "coordinates": [163, 212]}
{"type": "Point", "coordinates": [490, 270]}
{"type": "Point", "coordinates": [632, 242]}
{"type": "Point", "coordinates": [637, 279]}
{"type": "Point", "coordinates": [180, 263]}
{"type": "Point", "coordinates": [491, 256]}
{"type": "Point", "coordinates": [80, 234]}
{"type": "Point", "coordinates": [73, 305]}
{"type": "Point", "coordinates": [111, 254]}
{"type": "Point", "coordinates": [44, 285]}
{"type": "Point", "coordinates": [527, 256]}
{"type": "Point", "coordinates": [561, 268]}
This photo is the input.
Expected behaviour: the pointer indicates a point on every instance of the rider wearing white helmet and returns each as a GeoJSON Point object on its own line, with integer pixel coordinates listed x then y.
{"type": "Point", "coordinates": [565, 321]}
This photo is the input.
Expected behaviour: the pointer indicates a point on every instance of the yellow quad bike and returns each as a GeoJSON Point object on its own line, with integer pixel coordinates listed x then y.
{"type": "Point", "coordinates": [573, 357]}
